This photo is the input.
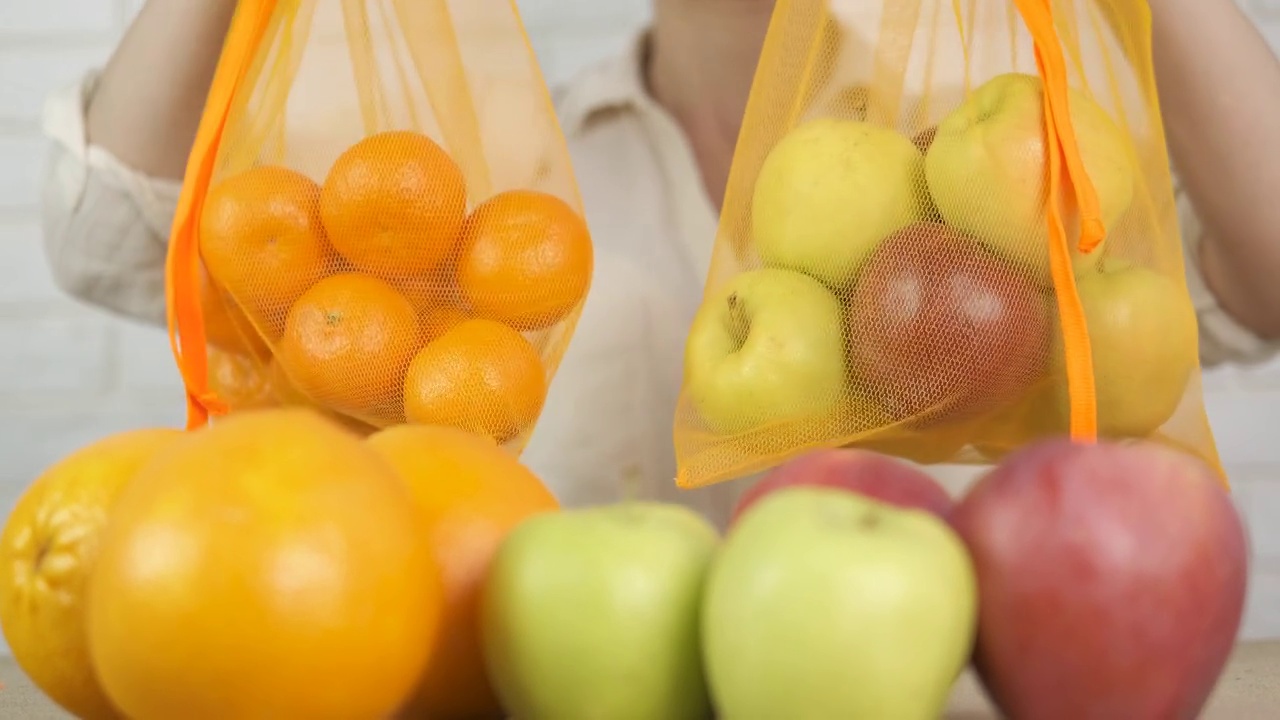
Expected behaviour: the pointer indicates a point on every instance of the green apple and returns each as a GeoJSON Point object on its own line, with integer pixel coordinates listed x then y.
{"type": "Point", "coordinates": [829, 192]}
{"type": "Point", "coordinates": [986, 169]}
{"type": "Point", "coordinates": [1143, 337]}
{"type": "Point", "coordinates": [766, 347]}
{"type": "Point", "coordinates": [825, 604]}
{"type": "Point", "coordinates": [594, 613]}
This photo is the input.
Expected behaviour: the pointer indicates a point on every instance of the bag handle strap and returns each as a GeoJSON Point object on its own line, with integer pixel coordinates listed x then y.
{"type": "Point", "coordinates": [1065, 164]}
{"type": "Point", "coordinates": [182, 264]}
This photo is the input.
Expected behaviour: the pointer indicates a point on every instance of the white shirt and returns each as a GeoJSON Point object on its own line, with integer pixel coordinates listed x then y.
{"type": "Point", "coordinates": [606, 431]}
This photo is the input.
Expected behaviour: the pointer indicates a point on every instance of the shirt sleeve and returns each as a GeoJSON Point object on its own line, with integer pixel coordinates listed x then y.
{"type": "Point", "coordinates": [1222, 338]}
{"type": "Point", "coordinates": [106, 225]}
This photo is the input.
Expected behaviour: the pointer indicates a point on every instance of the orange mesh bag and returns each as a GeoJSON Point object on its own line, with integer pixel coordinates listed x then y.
{"type": "Point", "coordinates": [379, 219]}
{"type": "Point", "coordinates": [949, 229]}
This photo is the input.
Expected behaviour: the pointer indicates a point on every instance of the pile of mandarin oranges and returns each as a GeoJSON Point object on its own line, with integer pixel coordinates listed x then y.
{"type": "Point", "coordinates": [385, 294]}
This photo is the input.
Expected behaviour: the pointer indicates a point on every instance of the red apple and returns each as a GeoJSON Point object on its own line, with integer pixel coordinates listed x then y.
{"type": "Point", "coordinates": [1111, 580]}
{"type": "Point", "coordinates": [867, 473]}
{"type": "Point", "coordinates": [941, 328]}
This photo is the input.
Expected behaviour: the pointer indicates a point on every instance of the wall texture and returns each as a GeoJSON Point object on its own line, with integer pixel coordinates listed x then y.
{"type": "Point", "coordinates": [70, 374]}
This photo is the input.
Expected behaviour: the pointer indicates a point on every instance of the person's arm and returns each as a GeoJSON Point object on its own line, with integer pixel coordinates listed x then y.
{"type": "Point", "coordinates": [148, 100]}
{"type": "Point", "coordinates": [1219, 85]}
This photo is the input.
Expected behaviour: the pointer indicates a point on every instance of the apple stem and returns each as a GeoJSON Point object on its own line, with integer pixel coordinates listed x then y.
{"type": "Point", "coordinates": [739, 325]}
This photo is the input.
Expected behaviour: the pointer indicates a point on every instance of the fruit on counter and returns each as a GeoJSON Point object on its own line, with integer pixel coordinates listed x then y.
{"type": "Point", "coordinates": [867, 473]}
{"type": "Point", "coordinates": [1142, 333]}
{"type": "Point", "coordinates": [270, 565]}
{"type": "Point", "coordinates": [825, 604]}
{"type": "Point", "coordinates": [594, 613]}
{"type": "Point", "coordinates": [1111, 577]}
{"type": "Point", "coordinates": [940, 327]}
{"type": "Point", "coordinates": [766, 347]}
{"type": "Point", "coordinates": [986, 169]}
{"type": "Point", "coordinates": [473, 493]}
{"type": "Point", "coordinates": [48, 550]}
{"type": "Point", "coordinates": [829, 192]}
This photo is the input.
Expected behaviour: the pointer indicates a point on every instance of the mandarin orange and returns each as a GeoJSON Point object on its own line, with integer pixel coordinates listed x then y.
{"type": "Point", "coordinates": [480, 376]}
{"type": "Point", "coordinates": [526, 259]}
{"type": "Point", "coordinates": [226, 327]}
{"type": "Point", "coordinates": [347, 344]}
{"type": "Point", "coordinates": [262, 240]}
{"type": "Point", "coordinates": [394, 203]}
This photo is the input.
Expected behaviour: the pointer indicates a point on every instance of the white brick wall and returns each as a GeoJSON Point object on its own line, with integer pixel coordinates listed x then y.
{"type": "Point", "coordinates": [69, 374]}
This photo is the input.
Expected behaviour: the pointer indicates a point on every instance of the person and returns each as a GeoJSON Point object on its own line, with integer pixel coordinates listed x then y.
{"type": "Point", "coordinates": [652, 134]}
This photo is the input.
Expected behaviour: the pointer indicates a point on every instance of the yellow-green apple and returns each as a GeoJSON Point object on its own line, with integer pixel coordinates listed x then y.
{"type": "Point", "coordinates": [987, 174]}
{"type": "Point", "coordinates": [593, 613]}
{"type": "Point", "coordinates": [941, 328]}
{"type": "Point", "coordinates": [1142, 333]}
{"type": "Point", "coordinates": [766, 347]}
{"type": "Point", "coordinates": [829, 192]}
{"type": "Point", "coordinates": [1111, 580]}
{"type": "Point", "coordinates": [860, 471]}
{"type": "Point", "coordinates": [822, 603]}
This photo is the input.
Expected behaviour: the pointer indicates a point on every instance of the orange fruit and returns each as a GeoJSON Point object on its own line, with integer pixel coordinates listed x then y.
{"type": "Point", "coordinates": [268, 566]}
{"type": "Point", "coordinates": [240, 381]}
{"type": "Point", "coordinates": [480, 376]}
{"type": "Point", "coordinates": [473, 494]}
{"type": "Point", "coordinates": [262, 240]}
{"type": "Point", "coordinates": [348, 342]}
{"type": "Point", "coordinates": [226, 327]}
{"type": "Point", "coordinates": [286, 394]}
{"type": "Point", "coordinates": [394, 203]}
{"type": "Point", "coordinates": [526, 259]}
{"type": "Point", "coordinates": [48, 550]}
{"type": "Point", "coordinates": [437, 300]}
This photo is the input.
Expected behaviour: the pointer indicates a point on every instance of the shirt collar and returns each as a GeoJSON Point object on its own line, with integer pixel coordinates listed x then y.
{"type": "Point", "coordinates": [614, 84]}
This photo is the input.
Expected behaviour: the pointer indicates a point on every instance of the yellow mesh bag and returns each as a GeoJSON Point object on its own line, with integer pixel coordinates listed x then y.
{"type": "Point", "coordinates": [379, 219]}
{"type": "Point", "coordinates": [949, 229]}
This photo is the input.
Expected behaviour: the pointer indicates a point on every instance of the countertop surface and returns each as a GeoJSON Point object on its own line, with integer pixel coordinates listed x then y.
{"type": "Point", "coordinates": [1248, 690]}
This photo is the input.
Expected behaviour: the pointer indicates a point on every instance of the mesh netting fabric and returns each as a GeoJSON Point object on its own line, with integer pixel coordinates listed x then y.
{"type": "Point", "coordinates": [948, 230]}
{"type": "Point", "coordinates": [379, 220]}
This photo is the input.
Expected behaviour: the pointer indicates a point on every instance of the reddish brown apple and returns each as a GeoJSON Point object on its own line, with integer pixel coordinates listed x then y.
{"type": "Point", "coordinates": [940, 328]}
{"type": "Point", "coordinates": [867, 473]}
{"type": "Point", "coordinates": [1111, 580]}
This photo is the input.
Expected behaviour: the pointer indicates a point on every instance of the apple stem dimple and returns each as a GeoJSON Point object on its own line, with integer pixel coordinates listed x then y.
{"type": "Point", "coordinates": [739, 324]}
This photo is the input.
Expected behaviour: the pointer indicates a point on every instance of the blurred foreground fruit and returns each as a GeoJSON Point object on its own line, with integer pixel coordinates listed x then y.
{"type": "Point", "coordinates": [526, 259]}
{"type": "Point", "coordinates": [472, 493]}
{"type": "Point", "coordinates": [270, 565]}
{"type": "Point", "coordinates": [594, 614]}
{"type": "Point", "coordinates": [873, 475]}
{"type": "Point", "coordinates": [824, 604]}
{"type": "Point", "coordinates": [48, 551]}
{"type": "Point", "coordinates": [1112, 580]}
